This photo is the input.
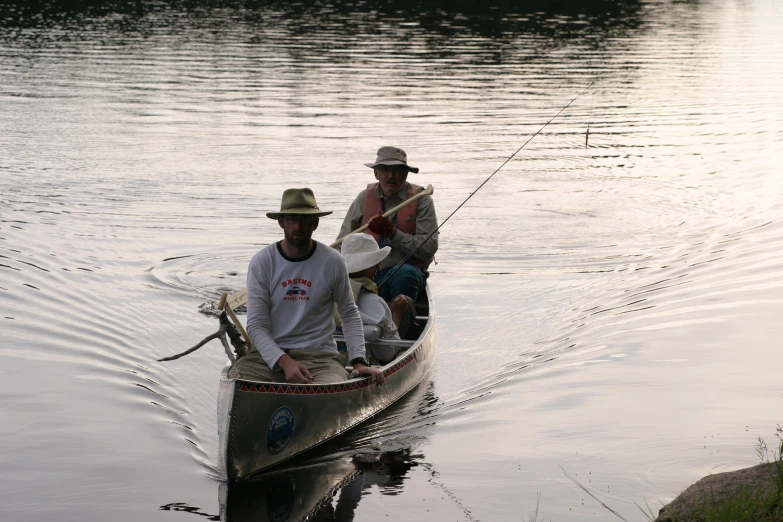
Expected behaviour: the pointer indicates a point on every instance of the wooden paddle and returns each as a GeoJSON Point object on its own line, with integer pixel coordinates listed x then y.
{"type": "Point", "coordinates": [239, 298]}
{"type": "Point", "coordinates": [225, 305]}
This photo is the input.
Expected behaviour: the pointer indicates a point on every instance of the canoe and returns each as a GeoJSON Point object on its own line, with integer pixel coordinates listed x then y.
{"type": "Point", "coordinates": [262, 424]}
{"type": "Point", "coordinates": [332, 484]}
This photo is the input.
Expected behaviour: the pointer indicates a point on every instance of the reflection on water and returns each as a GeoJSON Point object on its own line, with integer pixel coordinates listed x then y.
{"type": "Point", "coordinates": [329, 491]}
{"type": "Point", "coordinates": [496, 20]}
{"type": "Point", "coordinates": [612, 307]}
{"type": "Point", "coordinates": [291, 495]}
{"type": "Point", "coordinates": [184, 508]}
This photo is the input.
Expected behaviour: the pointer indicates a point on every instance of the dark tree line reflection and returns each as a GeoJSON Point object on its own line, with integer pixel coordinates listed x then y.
{"type": "Point", "coordinates": [501, 20]}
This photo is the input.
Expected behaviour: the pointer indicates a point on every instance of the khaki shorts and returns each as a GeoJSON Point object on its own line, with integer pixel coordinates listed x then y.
{"type": "Point", "coordinates": [325, 367]}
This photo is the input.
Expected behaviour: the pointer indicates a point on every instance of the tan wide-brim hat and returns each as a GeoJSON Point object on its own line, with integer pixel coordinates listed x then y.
{"type": "Point", "coordinates": [298, 201]}
{"type": "Point", "coordinates": [392, 156]}
{"type": "Point", "coordinates": [361, 252]}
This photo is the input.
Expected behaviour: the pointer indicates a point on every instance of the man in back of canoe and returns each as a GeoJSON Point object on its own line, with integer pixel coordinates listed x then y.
{"type": "Point", "coordinates": [405, 232]}
{"type": "Point", "coordinates": [292, 289]}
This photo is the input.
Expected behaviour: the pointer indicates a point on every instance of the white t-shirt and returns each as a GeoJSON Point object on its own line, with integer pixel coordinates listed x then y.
{"type": "Point", "coordinates": [290, 303]}
{"type": "Point", "coordinates": [375, 311]}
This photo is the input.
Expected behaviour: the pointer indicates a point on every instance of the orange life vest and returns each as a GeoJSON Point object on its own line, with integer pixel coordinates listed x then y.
{"type": "Point", "coordinates": [406, 217]}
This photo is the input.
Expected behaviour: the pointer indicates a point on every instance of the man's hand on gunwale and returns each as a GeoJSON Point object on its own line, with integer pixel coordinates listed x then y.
{"type": "Point", "coordinates": [368, 371]}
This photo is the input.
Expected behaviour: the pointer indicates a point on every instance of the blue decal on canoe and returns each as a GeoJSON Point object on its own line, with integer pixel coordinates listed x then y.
{"type": "Point", "coordinates": [280, 430]}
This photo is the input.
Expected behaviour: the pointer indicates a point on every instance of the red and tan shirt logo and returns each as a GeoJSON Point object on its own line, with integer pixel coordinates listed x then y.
{"type": "Point", "coordinates": [296, 289]}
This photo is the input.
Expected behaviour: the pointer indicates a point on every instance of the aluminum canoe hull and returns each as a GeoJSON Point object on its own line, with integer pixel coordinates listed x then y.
{"type": "Point", "coordinates": [263, 424]}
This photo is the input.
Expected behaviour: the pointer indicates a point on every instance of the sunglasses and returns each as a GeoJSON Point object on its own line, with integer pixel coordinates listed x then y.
{"type": "Point", "coordinates": [299, 218]}
{"type": "Point", "coordinates": [393, 169]}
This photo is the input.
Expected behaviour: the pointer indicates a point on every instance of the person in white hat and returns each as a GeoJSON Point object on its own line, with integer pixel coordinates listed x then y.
{"type": "Point", "coordinates": [293, 287]}
{"type": "Point", "coordinates": [363, 258]}
{"type": "Point", "coordinates": [414, 228]}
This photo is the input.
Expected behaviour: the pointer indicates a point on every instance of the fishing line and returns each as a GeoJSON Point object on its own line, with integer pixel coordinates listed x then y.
{"type": "Point", "coordinates": [590, 118]}
{"type": "Point", "coordinates": [406, 258]}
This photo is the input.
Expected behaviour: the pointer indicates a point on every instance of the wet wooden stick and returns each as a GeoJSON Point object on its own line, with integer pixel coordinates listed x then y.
{"type": "Point", "coordinates": [216, 335]}
{"type": "Point", "coordinates": [234, 319]}
{"type": "Point", "coordinates": [226, 328]}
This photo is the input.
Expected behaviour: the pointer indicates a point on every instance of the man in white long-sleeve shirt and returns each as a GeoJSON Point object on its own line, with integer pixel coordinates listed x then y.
{"type": "Point", "coordinates": [292, 288]}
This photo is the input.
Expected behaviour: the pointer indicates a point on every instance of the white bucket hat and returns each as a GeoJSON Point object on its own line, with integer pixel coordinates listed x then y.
{"type": "Point", "coordinates": [361, 252]}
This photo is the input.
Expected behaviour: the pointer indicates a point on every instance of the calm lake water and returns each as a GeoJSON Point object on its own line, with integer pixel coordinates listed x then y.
{"type": "Point", "coordinates": [608, 308]}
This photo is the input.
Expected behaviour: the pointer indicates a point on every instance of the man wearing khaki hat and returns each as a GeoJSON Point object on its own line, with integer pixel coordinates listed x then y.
{"type": "Point", "coordinates": [292, 289]}
{"type": "Point", "coordinates": [412, 228]}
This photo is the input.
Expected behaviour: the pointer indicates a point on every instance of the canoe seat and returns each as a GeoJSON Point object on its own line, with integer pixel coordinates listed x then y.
{"type": "Point", "coordinates": [372, 332]}
{"type": "Point", "coordinates": [378, 350]}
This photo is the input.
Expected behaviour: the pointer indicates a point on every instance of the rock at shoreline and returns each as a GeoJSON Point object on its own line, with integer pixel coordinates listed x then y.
{"type": "Point", "coordinates": [716, 488]}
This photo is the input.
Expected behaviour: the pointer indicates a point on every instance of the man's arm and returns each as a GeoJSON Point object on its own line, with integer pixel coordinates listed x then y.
{"type": "Point", "coordinates": [258, 322]}
{"type": "Point", "coordinates": [352, 327]}
{"type": "Point", "coordinates": [353, 218]}
{"type": "Point", "coordinates": [349, 315]}
{"type": "Point", "coordinates": [426, 223]}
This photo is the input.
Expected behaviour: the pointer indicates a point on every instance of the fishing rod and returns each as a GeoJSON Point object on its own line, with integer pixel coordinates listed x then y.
{"type": "Point", "coordinates": [406, 258]}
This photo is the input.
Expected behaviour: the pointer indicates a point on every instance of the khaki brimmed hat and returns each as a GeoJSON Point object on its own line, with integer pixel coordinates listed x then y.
{"type": "Point", "coordinates": [392, 156]}
{"type": "Point", "coordinates": [361, 252]}
{"type": "Point", "coordinates": [298, 201]}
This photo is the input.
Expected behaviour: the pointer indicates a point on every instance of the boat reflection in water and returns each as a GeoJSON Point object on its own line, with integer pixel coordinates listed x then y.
{"type": "Point", "coordinates": [309, 492]}
{"type": "Point", "coordinates": [328, 485]}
